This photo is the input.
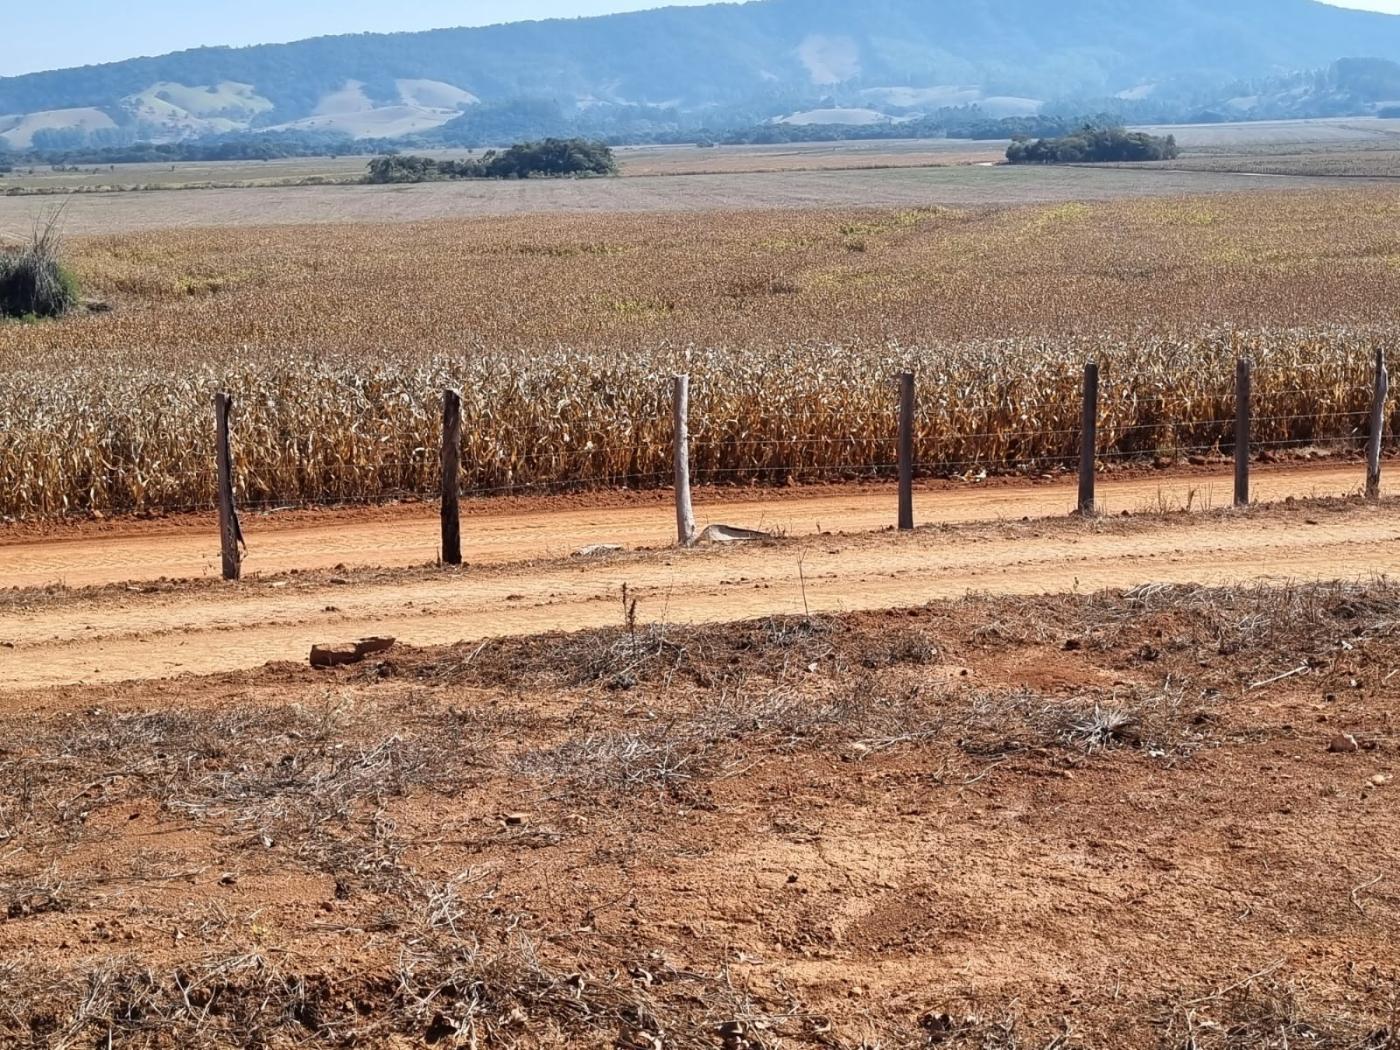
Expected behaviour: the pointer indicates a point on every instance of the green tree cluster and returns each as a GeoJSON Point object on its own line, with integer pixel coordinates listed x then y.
{"type": "Point", "coordinates": [1094, 145]}
{"type": "Point", "coordinates": [264, 146]}
{"type": "Point", "coordinates": [525, 160]}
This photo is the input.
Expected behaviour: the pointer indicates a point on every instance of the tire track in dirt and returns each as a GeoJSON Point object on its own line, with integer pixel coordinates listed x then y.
{"type": "Point", "coordinates": [499, 537]}
{"type": "Point", "coordinates": [153, 636]}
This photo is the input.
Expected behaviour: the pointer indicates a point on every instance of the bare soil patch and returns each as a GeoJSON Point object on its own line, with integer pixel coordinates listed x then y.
{"type": "Point", "coordinates": [163, 629]}
{"type": "Point", "coordinates": [85, 552]}
{"type": "Point", "coordinates": [1113, 821]}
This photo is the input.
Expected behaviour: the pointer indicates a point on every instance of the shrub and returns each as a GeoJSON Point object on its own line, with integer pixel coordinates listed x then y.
{"type": "Point", "coordinates": [397, 169]}
{"type": "Point", "coordinates": [548, 157]}
{"type": "Point", "coordinates": [1091, 145]}
{"type": "Point", "coordinates": [33, 282]}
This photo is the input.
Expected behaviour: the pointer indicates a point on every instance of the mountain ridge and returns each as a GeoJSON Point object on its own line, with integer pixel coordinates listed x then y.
{"type": "Point", "coordinates": [762, 59]}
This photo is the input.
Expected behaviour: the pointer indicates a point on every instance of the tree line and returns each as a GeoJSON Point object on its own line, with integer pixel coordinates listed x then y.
{"type": "Point", "coordinates": [236, 146]}
{"type": "Point", "coordinates": [528, 121]}
{"type": "Point", "coordinates": [1094, 145]}
{"type": "Point", "coordinates": [525, 160]}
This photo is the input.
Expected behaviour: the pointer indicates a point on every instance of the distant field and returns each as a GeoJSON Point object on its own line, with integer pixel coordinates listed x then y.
{"type": "Point", "coordinates": [634, 160]}
{"type": "Point", "coordinates": [90, 178]}
{"type": "Point", "coordinates": [1333, 163]}
{"type": "Point", "coordinates": [815, 156]}
{"type": "Point", "coordinates": [1360, 148]}
{"type": "Point", "coordinates": [1284, 135]}
{"type": "Point", "coordinates": [1325, 148]}
{"type": "Point", "coordinates": [898, 188]}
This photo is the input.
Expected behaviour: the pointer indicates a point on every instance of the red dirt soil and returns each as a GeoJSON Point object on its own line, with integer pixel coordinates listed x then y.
{"type": "Point", "coordinates": [124, 633]}
{"type": "Point", "coordinates": [891, 829]}
{"type": "Point", "coordinates": [86, 553]}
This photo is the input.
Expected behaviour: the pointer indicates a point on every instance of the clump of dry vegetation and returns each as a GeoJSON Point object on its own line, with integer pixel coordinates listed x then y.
{"type": "Point", "coordinates": [34, 283]}
{"type": "Point", "coordinates": [1264, 1012]}
{"type": "Point", "coordinates": [563, 333]}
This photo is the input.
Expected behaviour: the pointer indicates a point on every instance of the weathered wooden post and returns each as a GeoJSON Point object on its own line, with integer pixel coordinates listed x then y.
{"type": "Point", "coordinates": [230, 534]}
{"type": "Point", "coordinates": [1373, 446]}
{"type": "Point", "coordinates": [685, 511]}
{"type": "Point", "coordinates": [1244, 375]}
{"type": "Point", "coordinates": [451, 477]}
{"type": "Point", "coordinates": [906, 452]}
{"type": "Point", "coordinates": [1089, 439]}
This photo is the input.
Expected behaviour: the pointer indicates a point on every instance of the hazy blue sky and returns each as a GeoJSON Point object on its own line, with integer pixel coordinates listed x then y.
{"type": "Point", "coordinates": [53, 35]}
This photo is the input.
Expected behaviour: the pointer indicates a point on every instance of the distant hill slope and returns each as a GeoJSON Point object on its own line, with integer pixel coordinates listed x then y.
{"type": "Point", "coordinates": [885, 55]}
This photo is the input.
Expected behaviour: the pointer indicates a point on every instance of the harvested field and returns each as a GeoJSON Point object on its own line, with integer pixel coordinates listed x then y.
{"type": "Point", "coordinates": [687, 194]}
{"type": "Point", "coordinates": [633, 161]}
{"type": "Point", "coordinates": [1260, 138]}
{"type": "Point", "coordinates": [1336, 149]}
{"type": "Point", "coordinates": [1120, 820]}
{"type": "Point", "coordinates": [337, 345]}
{"type": "Point", "coordinates": [808, 156]}
{"type": "Point", "coordinates": [1279, 259]}
{"type": "Point", "coordinates": [1379, 163]}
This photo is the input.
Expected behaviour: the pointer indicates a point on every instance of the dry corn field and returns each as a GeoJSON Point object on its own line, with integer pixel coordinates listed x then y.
{"type": "Point", "coordinates": [562, 331]}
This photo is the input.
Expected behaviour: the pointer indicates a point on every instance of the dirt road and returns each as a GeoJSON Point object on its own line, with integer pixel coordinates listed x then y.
{"type": "Point", "coordinates": [204, 631]}
{"type": "Point", "coordinates": [155, 551]}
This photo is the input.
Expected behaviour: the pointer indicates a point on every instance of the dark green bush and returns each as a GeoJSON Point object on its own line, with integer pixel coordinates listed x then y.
{"type": "Point", "coordinates": [396, 169]}
{"type": "Point", "coordinates": [1094, 145]}
{"type": "Point", "coordinates": [548, 157]}
{"type": "Point", "coordinates": [33, 281]}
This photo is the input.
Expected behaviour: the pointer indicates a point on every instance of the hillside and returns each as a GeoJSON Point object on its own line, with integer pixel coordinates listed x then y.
{"type": "Point", "coordinates": [880, 60]}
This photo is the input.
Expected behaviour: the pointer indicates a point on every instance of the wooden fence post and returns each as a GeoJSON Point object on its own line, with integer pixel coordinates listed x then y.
{"type": "Point", "coordinates": [230, 534]}
{"type": "Point", "coordinates": [906, 452]}
{"type": "Point", "coordinates": [1244, 375]}
{"type": "Point", "coordinates": [451, 460]}
{"type": "Point", "coordinates": [1377, 438]}
{"type": "Point", "coordinates": [1089, 439]}
{"type": "Point", "coordinates": [685, 512]}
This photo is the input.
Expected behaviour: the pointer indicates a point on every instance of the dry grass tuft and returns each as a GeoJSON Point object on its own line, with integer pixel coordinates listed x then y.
{"type": "Point", "coordinates": [34, 282]}
{"type": "Point", "coordinates": [1266, 1013]}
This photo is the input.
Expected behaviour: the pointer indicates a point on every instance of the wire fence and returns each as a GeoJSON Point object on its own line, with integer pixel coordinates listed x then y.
{"type": "Point", "coordinates": [783, 464]}
{"type": "Point", "coordinates": [953, 436]}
